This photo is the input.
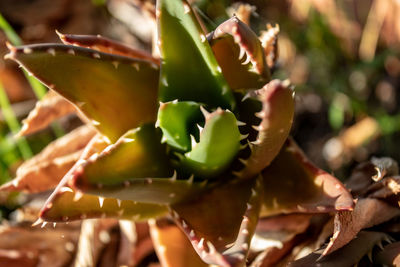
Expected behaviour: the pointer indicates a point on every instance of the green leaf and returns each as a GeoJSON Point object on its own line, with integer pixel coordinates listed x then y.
{"type": "Point", "coordinates": [116, 93]}
{"type": "Point", "coordinates": [189, 70]}
{"type": "Point", "coordinates": [240, 54]}
{"type": "Point", "coordinates": [137, 154]}
{"type": "Point", "coordinates": [135, 168]}
{"type": "Point", "coordinates": [218, 146]}
{"type": "Point", "coordinates": [176, 120]}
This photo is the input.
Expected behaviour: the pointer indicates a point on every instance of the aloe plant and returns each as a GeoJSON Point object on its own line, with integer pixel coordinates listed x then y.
{"type": "Point", "coordinates": [200, 135]}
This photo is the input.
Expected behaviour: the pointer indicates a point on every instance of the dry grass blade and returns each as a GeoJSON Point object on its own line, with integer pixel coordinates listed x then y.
{"type": "Point", "coordinates": [50, 108]}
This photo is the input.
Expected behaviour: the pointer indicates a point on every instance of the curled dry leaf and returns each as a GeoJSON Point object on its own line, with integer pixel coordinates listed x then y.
{"type": "Point", "coordinates": [45, 170]}
{"type": "Point", "coordinates": [387, 189]}
{"type": "Point", "coordinates": [385, 167]}
{"type": "Point", "coordinates": [367, 213]}
{"type": "Point", "coordinates": [50, 108]}
{"type": "Point", "coordinates": [361, 178]}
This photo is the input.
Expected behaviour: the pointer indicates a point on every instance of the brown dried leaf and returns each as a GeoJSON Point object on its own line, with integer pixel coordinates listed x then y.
{"type": "Point", "coordinates": [367, 213]}
{"type": "Point", "coordinates": [172, 246]}
{"type": "Point", "coordinates": [348, 255]}
{"type": "Point", "coordinates": [386, 188]}
{"type": "Point", "coordinates": [50, 108]}
{"type": "Point", "coordinates": [45, 170]}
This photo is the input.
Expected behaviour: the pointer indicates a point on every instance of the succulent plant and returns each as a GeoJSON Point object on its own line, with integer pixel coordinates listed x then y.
{"type": "Point", "coordinates": [189, 135]}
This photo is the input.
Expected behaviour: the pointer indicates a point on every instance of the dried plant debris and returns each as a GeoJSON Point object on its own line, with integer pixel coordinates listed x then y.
{"type": "Point", "coordinates": [52, 107]}
{"type": "Point", "coordinates": [45, 170]}
{"type": "Point", "coordinates": [368, 212]}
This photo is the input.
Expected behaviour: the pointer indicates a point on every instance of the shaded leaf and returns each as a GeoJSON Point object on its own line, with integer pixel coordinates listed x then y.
{"type": "Point", "coordinates": [240, 55]}
{"type": "Point", "coordinates": [219, 230]}
{"type": "Point", "coordinates": [172, 246]}
{"type": "Point", "coordinates": [276, 120]}
{"type": "Point", "coordinates": [176, 120]}
{"type": "Point", "coordinates": [103, 86]}
{"type": "Point", "coordinates": [105, 45]}
{"type": "Point", "coordinates": [293, 184]}
{"type": "Point", "coordinates": [367, 213]}
{"type": "Point", "coordinates": [51, 107]}
{"type": "Point", "coordinates": [389, 256]}
{"type": "Point", "coordinates": [348, 255]}
{"type": "Point", "coordinates": [45, 170]}
{"type": "Point", "coordinates": [189, 69]}
{"type": "Point", "coordinates": [361, 178]}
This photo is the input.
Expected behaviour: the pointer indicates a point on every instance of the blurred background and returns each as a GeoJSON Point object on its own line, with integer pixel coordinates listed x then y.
{"type": "Point", "coordinates": [342, 56]}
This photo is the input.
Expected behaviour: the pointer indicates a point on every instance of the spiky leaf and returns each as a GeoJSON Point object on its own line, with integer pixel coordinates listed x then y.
{"type": "Point", "coordinates": [103, 86]}
{"type": "Point", "coordinates": [65, 205]}
{"type": "Point", "coordinates": [240, 55]}
{"type": "Point", "coordinates": [276, 121]}
{"type": "Point", "coordinates": [189, 70]}
{"type": "Point", "coordinates": [221, 235]}
{"type": "Point", "coordinates": [293, 184]}
{"type": "Point", "coordinates": [105, 45]}
{"type": "Point", "coordinates": [219, 144]}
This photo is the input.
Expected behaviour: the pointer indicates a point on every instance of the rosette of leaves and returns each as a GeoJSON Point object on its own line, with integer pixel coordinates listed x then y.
{"type": "Point", "coordinates": [199, 135]}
